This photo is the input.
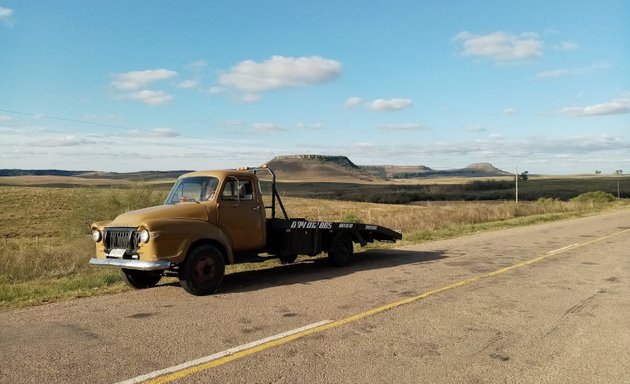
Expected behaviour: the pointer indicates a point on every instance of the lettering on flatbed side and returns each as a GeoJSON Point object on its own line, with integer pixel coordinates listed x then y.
{"type": "Point", "coordinates": [311, 225]}
{"type": "Point", "coordinates": [345, 225]}
{"type": "Point", "coordinates": [370, 227]}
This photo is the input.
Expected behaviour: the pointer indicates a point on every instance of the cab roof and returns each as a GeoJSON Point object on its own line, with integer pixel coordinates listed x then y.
{"type": "Point", "coordinates": [220, 173]}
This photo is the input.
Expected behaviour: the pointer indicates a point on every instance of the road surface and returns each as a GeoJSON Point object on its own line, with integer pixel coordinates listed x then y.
{"type": "Point", "coordinates": [547, 303]}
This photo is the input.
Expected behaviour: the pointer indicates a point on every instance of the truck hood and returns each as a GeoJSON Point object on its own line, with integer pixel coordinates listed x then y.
{"type": "Point", "coordinates": [136, 218]}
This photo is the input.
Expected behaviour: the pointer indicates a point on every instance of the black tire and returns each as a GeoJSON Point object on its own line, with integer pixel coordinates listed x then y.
{"type": "Point", "coordinates": [287, 259]}
{"type": "Point", "coordinates": [203, 270]}
{"type": "Point", "coordinates": [341, 249]}
{"type": "Point", "coordinates": [140, 279]}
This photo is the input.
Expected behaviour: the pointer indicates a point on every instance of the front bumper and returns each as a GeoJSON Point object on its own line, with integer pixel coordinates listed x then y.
{"type": "Point", "coordinates": [140, 265]}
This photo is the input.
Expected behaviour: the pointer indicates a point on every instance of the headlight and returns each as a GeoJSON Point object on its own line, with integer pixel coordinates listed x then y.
{"type": "Point", "coordinates": [144, 236]}
{"type": "Point", "coordinates": [96, 235]}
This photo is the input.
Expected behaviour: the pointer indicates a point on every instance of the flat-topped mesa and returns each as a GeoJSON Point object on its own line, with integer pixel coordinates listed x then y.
{"type": "Point", "coordinates": [339, 160]}
{"type": "Point", "coordinates": [483, 167]}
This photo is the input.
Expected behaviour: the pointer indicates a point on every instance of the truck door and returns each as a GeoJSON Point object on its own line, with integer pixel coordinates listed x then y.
{"type": "Point", "coordinates": [241, 214]}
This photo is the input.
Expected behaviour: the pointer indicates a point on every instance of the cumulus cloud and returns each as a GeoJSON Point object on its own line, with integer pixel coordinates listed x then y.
{"type": "Point", "coordinates": [383, 105]}
{"type": "Point", "coordinates": [251, 78]}
{"type": "Point", "coordinates": [404, 127]}
{"type": "Point", "coordinates": [616, 106]}
{"type": "Point", "coordinates": [500, 46]}
{"type": "Point", "coordinates": [188, 84]}
{"type": "Point", "coordinates": [135, 80]}
{"type": "Point", "coordinates": [132, 85]}
{"type": "Point", "coordinates": [352, 102]}
{"type": "Point", "coordinates": [149, 97]}
{"type": "Point", "coordinates": [6, 16]}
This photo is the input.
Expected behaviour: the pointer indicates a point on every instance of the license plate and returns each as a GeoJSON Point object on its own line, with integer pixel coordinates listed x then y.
{"type": "Point", "coordinates": [117, 252]}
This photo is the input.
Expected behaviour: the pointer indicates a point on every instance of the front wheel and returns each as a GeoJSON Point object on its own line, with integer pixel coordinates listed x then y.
{"type": "Point", "coordinates": [203, 270]}
{"type": "Point", "coordinates": [341, 249]}
{"type": "Point", "coordinates": [140, 279]}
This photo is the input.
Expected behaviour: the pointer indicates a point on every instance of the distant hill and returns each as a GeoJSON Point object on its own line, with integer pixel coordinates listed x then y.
{"type": "Point", "coordinates": [95, 175]}
{"type": "Point", "coordinates": [402, 172]}
{"type": "Point", "coordinates": [317, 167]}
{"type": "Point", "coordinates": [287, 168]}
{"type": "Point", "coordinates": [311, 167]}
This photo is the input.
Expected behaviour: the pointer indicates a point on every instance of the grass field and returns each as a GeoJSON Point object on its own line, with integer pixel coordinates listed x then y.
{"type": "Point", "coordinates": [45, 243]}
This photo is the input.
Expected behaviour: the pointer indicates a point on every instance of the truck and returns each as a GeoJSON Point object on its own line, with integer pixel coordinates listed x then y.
{"type": "Point", "coordinates": [211, 219]}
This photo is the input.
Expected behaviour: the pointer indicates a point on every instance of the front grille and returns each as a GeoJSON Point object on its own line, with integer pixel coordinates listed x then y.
{"type": "Point", "coordinates": [124, 238]}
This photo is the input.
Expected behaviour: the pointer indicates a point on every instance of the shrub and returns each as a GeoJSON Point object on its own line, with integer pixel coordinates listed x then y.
{"type": "Point", "coordinates": [594, 197]}
{"type": "Point", "coordinates": [349, 217]}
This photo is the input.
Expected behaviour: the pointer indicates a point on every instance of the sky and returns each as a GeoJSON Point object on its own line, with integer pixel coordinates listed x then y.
{"type": "Point", "coordinates": [137, 85]}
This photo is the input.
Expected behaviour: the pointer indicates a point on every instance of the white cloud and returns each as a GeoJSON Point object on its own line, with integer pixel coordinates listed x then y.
{"type": "Point", "coordinates": [6, 16]}
{"type": "Point", "coordinates": [404, 127]}
{"type": "Point", "coordinates": [103, 118]}
{"type": "Point", "coordinates": [188, 84]}
{"type": "Point", "coordinates": [571, 72]}
{"type": "Point", "coordinates": [64, 141]}
{"type": "Point", "coordinates": [567, 46]}
{"type": "Point", "coordinates": [4, 118]}
{"type": "Point", "coordinates": [149, 97]}
{"type": "Point", "coordinates": [352, 102]}
{"type": "Point", "coordinates": [616, 106]}
{"type": "Point", "coordinates": [152, 133]}
{"type": "Point", "coordinates": [135, 80]}
{"type": "Point", "coordinates": [252, 78]}
{"type": "Point", "coordinates": [500, 46]}
{"type": "Point", "coordinates": [311, 126]}
{"type": "Point", "coordinates": [509, 111]}
{"type": "Point", "coordinates": [476, 128]}
{"type": "Point", "coordinates": [382, 105]}
{"type": "Point", "coordinates": [267, 128]}
{"type": "Point", "coordinates": [197, 65]}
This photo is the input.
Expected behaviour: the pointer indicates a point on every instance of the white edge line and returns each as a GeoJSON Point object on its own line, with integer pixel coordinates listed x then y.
{"type": "Point", "coordinates": [218, 355]}
{"type": "Point", "coordinates": [563, 248]}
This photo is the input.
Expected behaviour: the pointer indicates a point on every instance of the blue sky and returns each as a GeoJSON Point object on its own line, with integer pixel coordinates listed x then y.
{"type": "Point", "coordinates": [161, 85]}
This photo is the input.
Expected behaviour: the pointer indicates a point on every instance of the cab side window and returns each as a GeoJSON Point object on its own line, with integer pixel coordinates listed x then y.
{"type": "Point", "coordinates": [238, 190]}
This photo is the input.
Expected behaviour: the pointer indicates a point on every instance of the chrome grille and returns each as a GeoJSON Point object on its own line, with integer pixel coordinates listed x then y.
{"type": "Point", "coordinates": [125, 238]}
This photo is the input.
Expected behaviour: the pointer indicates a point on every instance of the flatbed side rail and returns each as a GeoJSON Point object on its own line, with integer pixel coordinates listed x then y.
{"type": "Point", "coordinates": [377, 232]}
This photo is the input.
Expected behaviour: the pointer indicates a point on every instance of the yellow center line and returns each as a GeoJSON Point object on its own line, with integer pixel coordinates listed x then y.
{"type": "Point", "coordinates": [262, 347]}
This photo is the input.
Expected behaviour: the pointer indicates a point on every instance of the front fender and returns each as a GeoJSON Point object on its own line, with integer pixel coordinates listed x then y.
{"type": "Point", "coordinates": [170, 239]}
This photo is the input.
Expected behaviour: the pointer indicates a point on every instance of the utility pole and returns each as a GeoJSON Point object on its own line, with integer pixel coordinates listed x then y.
{"type": "Point", "coordinates": [516, 181]}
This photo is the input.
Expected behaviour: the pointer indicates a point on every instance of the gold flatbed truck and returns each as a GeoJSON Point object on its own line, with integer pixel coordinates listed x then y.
{"type": "Point", "coordinates": [214, 218]}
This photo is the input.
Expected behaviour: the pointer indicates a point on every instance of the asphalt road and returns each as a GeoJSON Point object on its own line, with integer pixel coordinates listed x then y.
{"type": "Point", "coordinates": [541, 304]}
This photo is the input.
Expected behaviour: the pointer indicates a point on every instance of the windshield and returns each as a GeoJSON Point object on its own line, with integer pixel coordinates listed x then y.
{"type": "Point", "coordinates": [193, 189]}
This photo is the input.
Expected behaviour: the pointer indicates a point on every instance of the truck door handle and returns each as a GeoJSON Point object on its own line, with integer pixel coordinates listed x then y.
{"type": "Point", "coordinates": [256, 209]}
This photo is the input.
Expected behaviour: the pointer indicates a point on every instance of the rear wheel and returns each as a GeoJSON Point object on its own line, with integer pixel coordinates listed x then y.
{"type": "Point", "coordinates": [203, 270]}
{"type": "Point", "coordinates": [341, 249]}
{"type": "Point", "coordinates": [140, 279]}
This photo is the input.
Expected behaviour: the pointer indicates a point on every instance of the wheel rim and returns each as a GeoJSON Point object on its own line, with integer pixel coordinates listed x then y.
{"type": "Point", "coordinates": [206, 270]}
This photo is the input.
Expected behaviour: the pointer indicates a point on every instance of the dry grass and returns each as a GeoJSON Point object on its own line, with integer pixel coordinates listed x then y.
{"type": "Point", "coordinates": [45, 244]}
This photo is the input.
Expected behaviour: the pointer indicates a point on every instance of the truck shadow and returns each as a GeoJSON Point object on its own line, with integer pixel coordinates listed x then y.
{"type": "Point", "coordinates": [320, 269]}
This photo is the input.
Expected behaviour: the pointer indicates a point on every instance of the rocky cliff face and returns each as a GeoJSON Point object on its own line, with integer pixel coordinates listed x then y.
{"type": "Point", "coordinates": [342, 161]}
